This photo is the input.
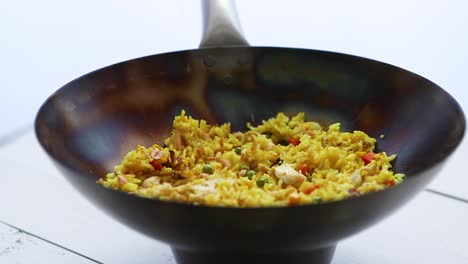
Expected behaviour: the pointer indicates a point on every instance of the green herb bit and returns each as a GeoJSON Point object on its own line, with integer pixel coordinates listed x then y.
{"type": "Point", "coordinates": [207, 169]}
{"type": "Point", "coordinates": [317, 199]}
{"type": "Point", "coordinates": [244, 167]}
{"type": "Point", "coordinates": [250, 173]}
{"type": "Point", "coordinates": [238, 150]}
{"type": "Point", "coordinates": [261, 181]}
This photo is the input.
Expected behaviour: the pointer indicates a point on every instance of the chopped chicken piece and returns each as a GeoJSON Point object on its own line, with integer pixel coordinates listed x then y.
{"type": "Point", "coordinates": [356, 178]}
{"type": "Point", "coordinates": [225, 163]}
{"type": "Point", "coordinates": [371, 169]}
{"type": "Point", "coordinates": [368, 170]}
{"type": "Point", "coordinates": [157, 154]}
{"type": "Point", "coordinates": [150, 182]}
{"type": "Point", "coordinates": [121, 179]}
{"type": "Point", "coordinates": [289, 175]}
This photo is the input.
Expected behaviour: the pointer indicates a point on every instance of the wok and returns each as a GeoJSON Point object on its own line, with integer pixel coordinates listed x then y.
{"type": "Point", "coordinates": [88, 125]}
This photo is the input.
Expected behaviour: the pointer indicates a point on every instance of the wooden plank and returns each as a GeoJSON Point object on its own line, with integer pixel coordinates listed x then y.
{"type": "Point", "coordinates": [21, 248]}
{"type": "Point", "coordinates": [430, 229]}
{"type": "Point", "coordinates": [453, 177]}
{"type": "Point", "coordinates": [79, 225]}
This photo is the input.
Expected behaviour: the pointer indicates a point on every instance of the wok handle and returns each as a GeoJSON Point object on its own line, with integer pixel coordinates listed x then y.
{"type": "Point", "coordinates": [221, 25]}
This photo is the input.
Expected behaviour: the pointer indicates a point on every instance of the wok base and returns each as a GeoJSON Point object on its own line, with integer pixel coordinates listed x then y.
{"type": "Point", "coordinates": [316, 256]}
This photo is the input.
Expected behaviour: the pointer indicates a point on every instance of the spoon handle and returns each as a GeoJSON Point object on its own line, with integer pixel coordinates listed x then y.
{"type": "Point", "coordinates": [221, 25]}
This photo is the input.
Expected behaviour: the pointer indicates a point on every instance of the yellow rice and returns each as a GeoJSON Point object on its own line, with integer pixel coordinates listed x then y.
{"type": "Point", "coordinates": [210, 165]}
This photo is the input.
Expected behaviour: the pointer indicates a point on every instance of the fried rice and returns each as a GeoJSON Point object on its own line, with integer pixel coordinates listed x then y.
{"type": "Point", "coordinates": [282, 162]}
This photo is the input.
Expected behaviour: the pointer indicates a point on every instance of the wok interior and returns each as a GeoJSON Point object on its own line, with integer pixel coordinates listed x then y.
{"type": "Point", "coordinates": [93, 121]}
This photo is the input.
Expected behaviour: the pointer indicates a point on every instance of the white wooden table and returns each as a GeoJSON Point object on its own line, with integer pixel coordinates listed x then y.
{"type": "Point", "coordinates": [47, 43]}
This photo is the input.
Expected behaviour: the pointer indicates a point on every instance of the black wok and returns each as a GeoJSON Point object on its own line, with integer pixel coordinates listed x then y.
{"type": "Point", "coordinates": [90, 123]}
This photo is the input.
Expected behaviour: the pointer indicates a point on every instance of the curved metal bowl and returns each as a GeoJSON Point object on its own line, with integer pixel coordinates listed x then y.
{"type": "Point", "coordinates": [89, 124]}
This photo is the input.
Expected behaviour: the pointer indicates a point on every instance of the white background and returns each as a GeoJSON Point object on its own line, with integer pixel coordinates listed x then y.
{"type": "Point", "coordinates": [45, 44]}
